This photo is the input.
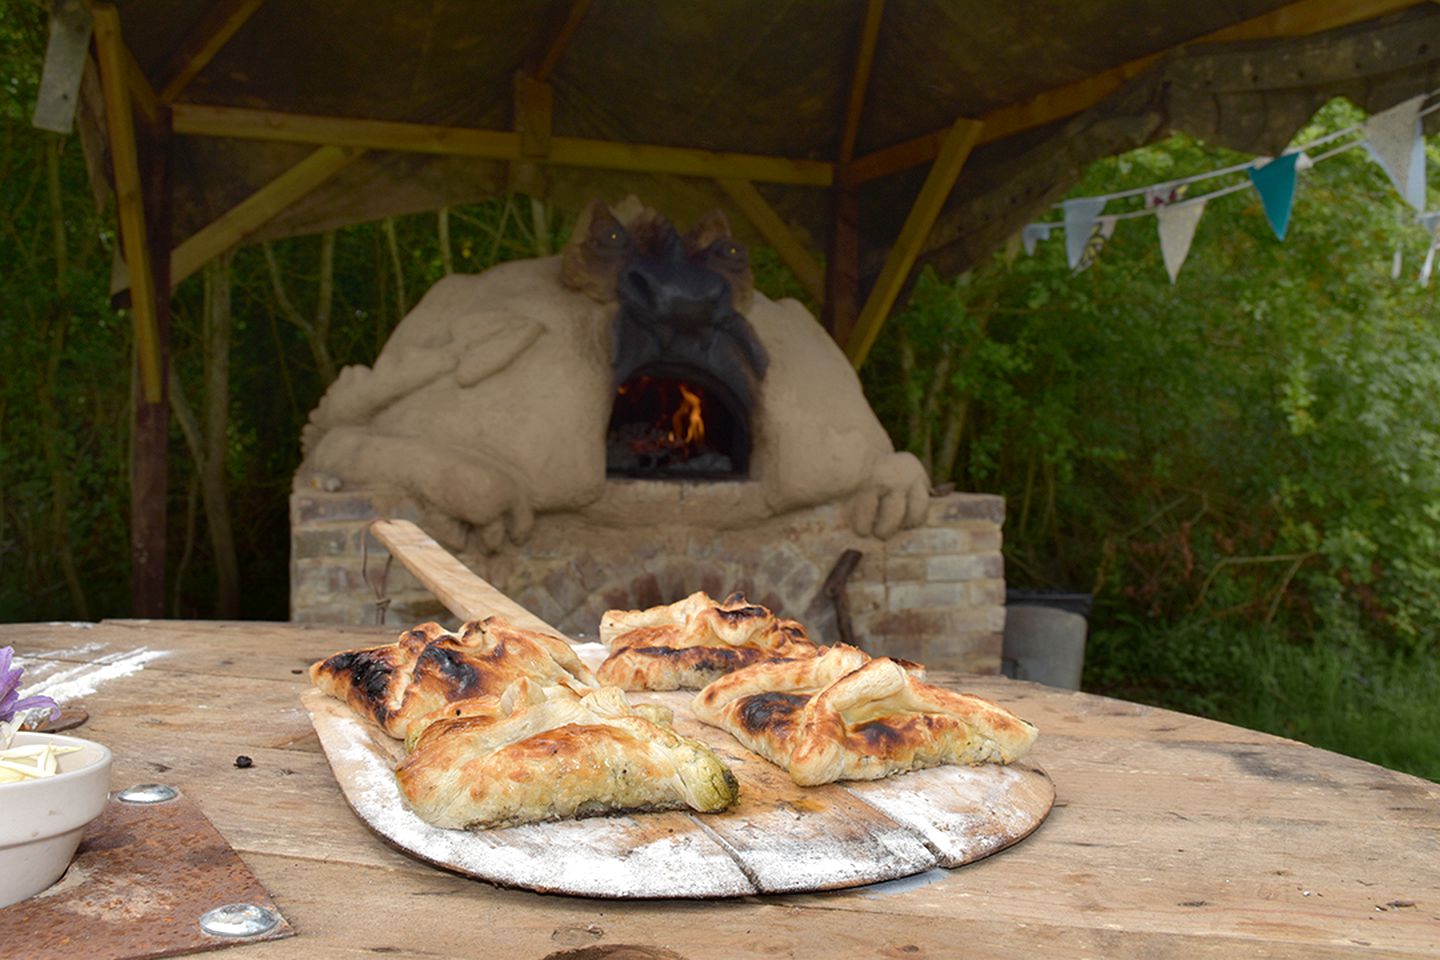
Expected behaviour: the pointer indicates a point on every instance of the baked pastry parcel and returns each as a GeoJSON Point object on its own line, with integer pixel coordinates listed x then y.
{"type": "Point", "coordinates": [845, 716]}
{"type": "Point", "coordinates": [429, 667]}
{"type": "Point", "coordinates": [687, 644]}
{"type": "Point", "coordinates": [549, 753]}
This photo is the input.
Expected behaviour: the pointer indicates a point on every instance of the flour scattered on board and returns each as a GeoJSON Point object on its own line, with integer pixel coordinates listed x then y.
{"type": "Point", "coordinates": [602, 856]}
{"type": "Point", "coordinates": [80, 680]}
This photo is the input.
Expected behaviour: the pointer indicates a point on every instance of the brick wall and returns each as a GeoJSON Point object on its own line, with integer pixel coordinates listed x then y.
{"type": "Point", "coordinates": [935, 593]}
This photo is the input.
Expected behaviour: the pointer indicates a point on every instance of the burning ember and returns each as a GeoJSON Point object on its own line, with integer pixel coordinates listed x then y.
{"type": "Point", "coordinates": [659, 428]}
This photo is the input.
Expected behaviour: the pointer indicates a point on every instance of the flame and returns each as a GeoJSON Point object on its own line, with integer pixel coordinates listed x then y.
{"type": "Point", "coordinates": [687, 425]}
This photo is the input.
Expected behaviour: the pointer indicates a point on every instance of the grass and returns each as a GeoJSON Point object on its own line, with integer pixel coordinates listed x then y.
{"type": "Point", "coordinates": [1379, 707]}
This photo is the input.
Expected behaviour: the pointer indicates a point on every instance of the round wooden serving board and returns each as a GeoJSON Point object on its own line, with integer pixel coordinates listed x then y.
{"type": "Point", "coordinates": [779, 837]}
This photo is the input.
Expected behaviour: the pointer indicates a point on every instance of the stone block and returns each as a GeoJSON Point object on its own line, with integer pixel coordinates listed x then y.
{"type": "Point", "coordinates": [308, 508]}
{"type": "Point", "coordinates": [906, 568]}
{"type": "Point", "coordinates": [962, 568]}
{"type": "Point", "coordinates": [320, 541]}
{"type": "Point", "coordinates": [928, 541]}
{"type": "Point", "coordinates": [967, 506]}
{"type": "Point", "coordinates": [914, 596]}
{"type": "Point", "coordinates": [986, 592]}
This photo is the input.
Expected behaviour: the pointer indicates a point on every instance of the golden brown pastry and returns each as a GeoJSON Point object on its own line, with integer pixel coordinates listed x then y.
{"type": "Point", "coordinates": [549, 753]}
{"type": "Point", "coordinates": [428, 667]}
{"type": "Point", "coordinates": [687, 644]}
{"type": "Point", "coordinates": [845, 716]}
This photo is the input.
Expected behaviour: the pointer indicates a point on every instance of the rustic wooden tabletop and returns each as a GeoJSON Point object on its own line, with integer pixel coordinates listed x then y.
{"type": "Point", "coordinates": [1171, 835]}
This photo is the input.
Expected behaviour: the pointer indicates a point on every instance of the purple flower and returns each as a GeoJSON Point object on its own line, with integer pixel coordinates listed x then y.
{"type": "Point", "coordinates": [10, 702]}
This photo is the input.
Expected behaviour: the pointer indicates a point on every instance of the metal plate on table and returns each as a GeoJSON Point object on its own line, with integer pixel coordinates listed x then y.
{"type": "Point", "coordinates": [144, 877]}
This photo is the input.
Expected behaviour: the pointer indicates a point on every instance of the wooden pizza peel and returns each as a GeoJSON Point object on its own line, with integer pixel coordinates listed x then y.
{"type": "Point", "coordinates": [779, 837]}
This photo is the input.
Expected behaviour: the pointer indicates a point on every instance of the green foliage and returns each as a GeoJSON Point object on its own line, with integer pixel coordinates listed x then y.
{"type": "Point", "coordinates": [1243, 467]}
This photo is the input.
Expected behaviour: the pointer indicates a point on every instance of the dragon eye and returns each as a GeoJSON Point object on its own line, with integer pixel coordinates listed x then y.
{"type": "Point", "coordinates": [728, 251]}
{"type": "Point", "coordinates": [610, 238]}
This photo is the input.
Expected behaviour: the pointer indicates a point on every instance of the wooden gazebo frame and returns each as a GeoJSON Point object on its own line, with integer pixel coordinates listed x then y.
{"type": "Point", "coordinates": [143, 116]}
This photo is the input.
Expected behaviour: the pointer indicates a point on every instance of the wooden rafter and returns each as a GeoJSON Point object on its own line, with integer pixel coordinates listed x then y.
{"type": "Point", "coordinates": [561, 40]}
{"type": "Point", "coordinates": [764, 218]}
{"type": "Point", "coordinates": [860, 78]}
{"type": "Point", "coordinates": [958, 143]}
{"type": "Point", "coordinates": [244, 124]}
{"type": "Point", "coordinates": [201, 44]}
{"type": "Point", "coordinates": [129, 197]}
{"type": "Point", "coordinates": [142, 95]}
{"type": "Point", "coordinates": [256, 210]}
{"type": "Point", "coordinates": [1295, 20]}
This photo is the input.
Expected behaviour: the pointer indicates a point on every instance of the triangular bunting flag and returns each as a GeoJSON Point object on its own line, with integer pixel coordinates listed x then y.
{"type": "Point", "coordinates": [1164, 194]}
{"type": "Point", "coordinates": [1430, 222]}
{"type": "Point", "coordinates": [1429, 264]}
{"type": "Point", "coordinates": [1102, 231]}
{"type": "Point", "coordinates": [1033, 234]}
{"type": "Point", "coordinates": [1275, 182]}
{"type": "Point", "coordinates": [1177, 229]}
{"type": "Point", "coordinates": [1396, 141]}
{"type": "Point", "coordinates": [1080, 217]}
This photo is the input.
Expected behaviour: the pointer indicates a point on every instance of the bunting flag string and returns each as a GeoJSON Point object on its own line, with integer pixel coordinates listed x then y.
{"type": "Point", "coordinates": [1394, 138]}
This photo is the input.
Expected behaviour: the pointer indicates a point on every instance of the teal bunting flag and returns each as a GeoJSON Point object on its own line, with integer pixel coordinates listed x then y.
{"type": "Point", "coordinates": [1275, 182]}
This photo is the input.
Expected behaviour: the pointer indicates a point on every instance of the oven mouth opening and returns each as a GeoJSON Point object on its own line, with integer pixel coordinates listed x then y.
{"type": "Point", "coordinates": [672, 421]}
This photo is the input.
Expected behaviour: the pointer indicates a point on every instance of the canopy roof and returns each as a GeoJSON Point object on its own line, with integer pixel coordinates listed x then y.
{"type": "Point", "coordinates": [793, 115]}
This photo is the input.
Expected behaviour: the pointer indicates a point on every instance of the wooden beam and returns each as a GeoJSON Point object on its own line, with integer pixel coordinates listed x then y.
{"type": "Point", "coordinates": [551, 60]}
{"type": "Point", "coordinates": [764, 218]}
{"type": "Point", "coordinates": [142, 95]}
{"type": "Point", "coordinates": [842, 265]}
{"type": "Point", "coordinates": [860, 78]}
{"type": "Point", "coordinates": [129, 197]}
{"type": "Point", "coordinates": [1295, 20]}
{"type": "Point", "coordinates": [256, 210]}
{"type": "Point", "coordinates": [205, 39]}
{"type": "Point", "coordinates": [957, 146]}
{"type": "Point", "coordinates": [245, 124]}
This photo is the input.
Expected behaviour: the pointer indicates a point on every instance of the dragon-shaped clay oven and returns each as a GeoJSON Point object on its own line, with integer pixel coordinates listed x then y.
{"type": "Point", "coordinates": [490, 401]}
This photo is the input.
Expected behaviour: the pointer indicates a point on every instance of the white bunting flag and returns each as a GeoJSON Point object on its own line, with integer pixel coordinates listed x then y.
{"type": "Point", "coordinates": [1080, 216]}
{"type": "Point", "coordinates": [1177, 229]}
{"type": "Point", "coordinates": [1396, 141]}
{"type": "Point", "coordinates": [1429, 263]}
{"type": "Point", "coordinates": [1033, 234]}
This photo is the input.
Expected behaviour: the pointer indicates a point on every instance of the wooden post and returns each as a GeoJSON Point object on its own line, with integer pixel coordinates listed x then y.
{"type": "Point", "coordinates": [150, 468]}
{"type": "Point", "coordinates": [142, 208]}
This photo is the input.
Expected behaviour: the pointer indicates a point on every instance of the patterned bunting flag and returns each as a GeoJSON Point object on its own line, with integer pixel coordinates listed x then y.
{"type": "Point", "coordinates": [1396, 140]}
{"type": "Point", "coordinates": [1102, 230]}
{"type": "Point", "coordinates": [1176, 223]}
{"type": "Point", "coordinates": [1275, 182]}
{"type": "Point", "coordinates": [1080, 216]}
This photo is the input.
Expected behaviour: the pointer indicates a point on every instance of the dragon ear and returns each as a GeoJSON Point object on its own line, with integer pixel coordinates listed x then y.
{"type": "Point", "coordinates": [597, 249]}
{"type": "Point", "coordinates": [711, 227]}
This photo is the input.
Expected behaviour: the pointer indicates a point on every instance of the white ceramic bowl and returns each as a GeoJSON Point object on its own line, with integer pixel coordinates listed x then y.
{"type": "Point", "coordinates": [41, 820]}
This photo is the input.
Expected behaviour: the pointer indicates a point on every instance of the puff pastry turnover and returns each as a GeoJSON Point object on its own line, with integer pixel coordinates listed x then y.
{"type": "Point", "coordinates": [687, 644]}
{"type": "Point", "coordinates": [845, 716]}
{"type": "Point", "coordinates": [549, 753]}
{"type": "Point", "coordinates": [429, 667]}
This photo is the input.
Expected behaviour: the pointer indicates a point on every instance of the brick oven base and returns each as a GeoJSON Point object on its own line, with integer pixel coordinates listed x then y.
{"type": "Point", "coordinates": [935, 593]}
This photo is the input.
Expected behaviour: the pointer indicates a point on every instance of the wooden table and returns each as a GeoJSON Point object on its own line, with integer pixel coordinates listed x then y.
{"type": "Point", "coordinates": [1171, 835]}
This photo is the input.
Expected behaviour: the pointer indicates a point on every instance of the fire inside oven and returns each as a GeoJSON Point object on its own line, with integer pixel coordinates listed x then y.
{"type": "Point", "coordinates": [668, 424]}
